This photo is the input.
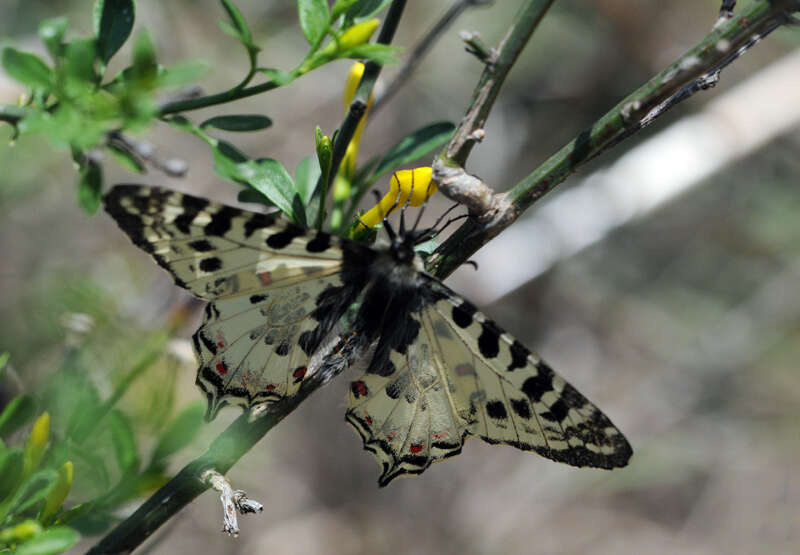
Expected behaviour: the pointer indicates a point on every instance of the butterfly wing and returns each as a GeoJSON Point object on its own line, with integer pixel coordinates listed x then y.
{"type": "Point", "coordinates": [276, 289]}
{"type": "Point", "coordinates": [462, 375]}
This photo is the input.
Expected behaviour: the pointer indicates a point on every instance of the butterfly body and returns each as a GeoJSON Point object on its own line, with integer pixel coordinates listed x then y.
{"type": "Point", "coordinates": [287, 303]}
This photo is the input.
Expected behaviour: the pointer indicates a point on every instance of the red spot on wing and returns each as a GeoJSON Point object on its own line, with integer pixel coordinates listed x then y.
{"type": "Point", "coordinates": [299, 373]}
{"type": "Point", "coordinates": [368, 419]}
{"type": "Point", "coordinates": [439, 435]}
{"type": "Point", "coordinates": [220, 339]}
{"type": "Point", "coordinates": [359, 389]}
{"type": "Point", "coordinates": [264, 277]}
{"type": "Point", "coordinates": [270, 387]}
{"type": "Point", "coordinates": [221, 368]}
{"type": "Point", "coordinates": [415, 448]}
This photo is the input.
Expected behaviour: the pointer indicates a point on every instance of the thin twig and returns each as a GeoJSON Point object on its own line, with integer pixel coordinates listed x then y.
{"type": "Point", "coordinates": [422, 48]}
{"type": "Point", "coordinates": [694, 71]}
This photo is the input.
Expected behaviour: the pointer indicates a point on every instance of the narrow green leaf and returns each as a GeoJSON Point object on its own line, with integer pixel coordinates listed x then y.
{"type": "Point", "coordinates": [28, 69]}
{"type": "Point", "coordinates": [251, 195]}
{"type": "Point", "coordinates": [4, 356]}
{"type": "Point", "coordinates": [33, 490]}
{"type": "Point", "coordinates": [306, 175]}
{"type": "Point", "coordinates": [180, 433]}
{"type": "Point", "coordinates": [79, 61]}
{"type": "Point", "coordinates": [341, 6]}
{"type": "Point", "coordinates": [12, 464]}
{"type": "Point", "coordinates": [383, 54]}
{"type": "Point", "coordinates": [144, 57]}
{"type": "Point", "coordinates": [239, 122]}
{"type": "Point", "coordinates": [278, 76]}
{"type": "Point", "coordinates": [314, 19]}
{"type": "Point", "coordinates": [239, 22]}
{"type": "Point", "coordinates": [363, 10]}
{"type": "Point", "coordinates": [53, 540]}
{"type": "Point", "coordinates": [113, 22]}
{"type": "Point", "coordinates": [124, 442]}
{"type": "Point", "coordinates": [90, 187]}
{"type": "Point", "coordinates": [18, 412]}
{"type": "Point", "coordinates": [417, 144]}
{"type": "Point", "coordinates": [51, 31]}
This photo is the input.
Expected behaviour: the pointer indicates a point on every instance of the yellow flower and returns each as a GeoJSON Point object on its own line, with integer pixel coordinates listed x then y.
{"type": "Point", "coordinates": [416, 182]}
{"type": "Point", "coordinates": [60, 490]}
{"type": "Point", "coordinates": [37, 443]}
{"type": "Point", "coordinates": [348, 167]}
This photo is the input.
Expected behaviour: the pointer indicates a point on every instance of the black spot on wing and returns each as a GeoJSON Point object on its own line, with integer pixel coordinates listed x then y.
{"type": "Point", "coordinates": [283, 349]}
{"type": "Point", "coordinates": [210, 345]}
{"type": "Point", "coordinates": [255, 299]}
{"type": "Point", "coordinates": [211, 264]}
{"type": "Point", "coordinates": [496, 409]}
{"type": "Point", "coordinates": [396, 388]}
{"type": "Point", "coordinates": [462, 314]}
{"type": "Point", "coordinates": [384, 370]}
{"type": "Point", "coordinates": [221, 221]}
{"type": "Point", "coordinates": [201, 245]}
{"type": "Point", "coordinates": [558, 411]}
{"type": "Point", "coordinates": [536, 386]}
{"type": "Point", "coordinates": [258, 221]}
{"type": "Point", "coordinates": [192, 206]}
{"type": "Point", "coordinates": [521, 408]}
{"type": "Point", "coordinates": [489, 341]}
{"type": "Point", "coordinates": [519, 356]}
{"type": "Point", "coordinates": [281, 239]}
{"type": "Point", "coordinates": [320, 243]}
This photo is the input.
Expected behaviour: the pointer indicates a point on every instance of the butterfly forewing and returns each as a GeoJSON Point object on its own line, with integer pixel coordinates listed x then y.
{"type": "Point", "coordinates": [464, 376]}
{"type": "Point", "coordinates": [275, 288]}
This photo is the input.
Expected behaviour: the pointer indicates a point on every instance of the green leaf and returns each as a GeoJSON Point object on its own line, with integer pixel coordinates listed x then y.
{"type": "Point", "coordinates": [12, 464]}
{"type": "Point", "coordinates": [90, 187]}
{"type": "Point", "coordinates": [266, 176]}
{"type": "Point", "coordinates": [33, 490]}
{"type": "Point", "coordinates": [51, 31]}
{"type": "Point", "coordinates": [79, 63]}
{"type": "Point", "coordinates": [239, 29]}
{"type": "Point", "coordinates": [144, 57]}
{"type": "Point", "coordinates": [53, 540]}
{"type": "Point", "coordinates": [306, 175]}
{"type": "Point", "coordinates": [124, 442]}
{"type": "Point", "coordinates": [4, 356]}
{"type": "Point", "coordinates": [240, 122]}
{"type": "Point", "coordinates": [28, 69]}
{"type": "Point", "coordinates": [363, 10]}
{"type": "Point", "coordinates": [417, 144]}
{"type": "Point", "coordinates": [383, 54]}
{"type": "Point", "coordinates": [19, 411]}
{"type": "Point", "coordinates": [180, 433]}
{"type": "Point", "coordinates": [341, 6]}
{"type": "Point", "coordinates": [314, 19]}
{"type": "Point", "coordinates": [279, 76]}
{"type": "Point", "coordinates": [113, 22]}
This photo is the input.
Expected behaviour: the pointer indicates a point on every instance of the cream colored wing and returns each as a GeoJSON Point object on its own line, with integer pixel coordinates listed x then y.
{"type": "Point", "coordinates": [463, 375]}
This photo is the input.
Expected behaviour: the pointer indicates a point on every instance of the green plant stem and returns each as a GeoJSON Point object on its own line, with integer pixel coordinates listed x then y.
{"type": "Point", "coordinates": [676, 82]}
{"type": "Point", "coordinates": [359, 104]}
{"type": "Point", "coordinates": [219, 98]}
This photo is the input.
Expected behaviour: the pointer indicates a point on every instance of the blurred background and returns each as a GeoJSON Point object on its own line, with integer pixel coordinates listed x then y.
{"type": "Point", "coordinates": [675, 308]}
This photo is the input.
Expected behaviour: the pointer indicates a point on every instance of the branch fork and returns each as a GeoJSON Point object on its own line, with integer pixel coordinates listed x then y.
{"type": "Point", "coordinates": [233, 501]}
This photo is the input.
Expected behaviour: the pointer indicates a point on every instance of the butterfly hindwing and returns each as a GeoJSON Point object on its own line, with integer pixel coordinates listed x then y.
{"type": "Point", "coordinates": [462, 375]}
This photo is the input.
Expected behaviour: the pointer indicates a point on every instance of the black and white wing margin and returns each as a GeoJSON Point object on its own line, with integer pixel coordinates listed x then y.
{"type": "Point", "coordinates": [276, 289]}
{"type": "Point", "coordinates": [462, 375]}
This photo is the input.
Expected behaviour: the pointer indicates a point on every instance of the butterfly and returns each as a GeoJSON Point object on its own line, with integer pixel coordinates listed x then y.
{"type": "Point", "coordinates": [286, 303]}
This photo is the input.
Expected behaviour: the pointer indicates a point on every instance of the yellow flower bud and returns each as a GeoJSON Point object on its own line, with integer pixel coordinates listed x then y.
{"type": "Point", "coordinates": [358, 34]}
{"type": "Point", "coordinates": [348, 167]}
{"type": "Point", "coordinates": [37, 443]}
{"type": "Point", "coordinates": [416, 182]}
{"type": "Point", "coordinates": [23, 531]}
{"type": "Point", "coordinates": [60, 490]}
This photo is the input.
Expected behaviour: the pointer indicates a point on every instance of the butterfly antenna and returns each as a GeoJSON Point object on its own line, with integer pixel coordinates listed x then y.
{"type": "Point", "coordinates": [452, 220]}
{"type": "Point", "coordinates": [443, 216]}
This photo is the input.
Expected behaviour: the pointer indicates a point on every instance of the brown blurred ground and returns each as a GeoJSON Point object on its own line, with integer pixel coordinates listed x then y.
{"type": "Point", "coordinates": [684, 327]}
